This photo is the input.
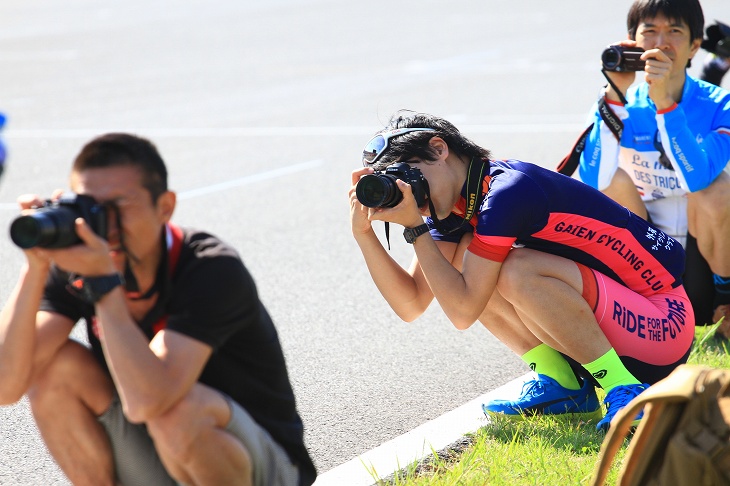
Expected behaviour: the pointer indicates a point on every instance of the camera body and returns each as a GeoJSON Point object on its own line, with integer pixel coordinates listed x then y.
{"type": "Point", "coordinates": [623, 59]}
{"type": "Point", "coordinates": [380, 190]}
{"type": "Point", "coordinates": [717, 40]}
{"type": "Point", "coordinates": [53, 224]}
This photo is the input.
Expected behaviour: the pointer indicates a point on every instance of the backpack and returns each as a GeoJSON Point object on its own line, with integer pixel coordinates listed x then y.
{"type": "Point", "coordinates": [684, 437]}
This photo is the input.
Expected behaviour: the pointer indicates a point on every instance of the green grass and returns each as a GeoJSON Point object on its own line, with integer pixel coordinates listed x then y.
{"type": "Point", "coordinates": [539, 451]}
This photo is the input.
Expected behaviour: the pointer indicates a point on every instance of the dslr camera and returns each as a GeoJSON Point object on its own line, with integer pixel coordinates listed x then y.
{"type": "Point", "coordinates": [52, 225]}
{"type": "Point", "coordinates": [623, 59]}
{"type": "Point", "coordinates": [379, 190]}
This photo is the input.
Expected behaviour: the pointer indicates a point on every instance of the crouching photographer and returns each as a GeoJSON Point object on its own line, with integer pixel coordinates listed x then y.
{"type": "Point", "coordinates": [585, 292]}
{"type": "Point", "coordinates": [184, 381]}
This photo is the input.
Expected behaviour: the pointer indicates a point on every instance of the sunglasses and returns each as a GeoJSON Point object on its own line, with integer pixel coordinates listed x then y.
{"type": "Point", "coordinates": [377, 145]}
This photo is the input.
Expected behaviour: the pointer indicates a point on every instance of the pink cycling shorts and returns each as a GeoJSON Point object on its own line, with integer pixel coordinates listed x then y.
{"type": "Point", "coordinates": [657, 330]}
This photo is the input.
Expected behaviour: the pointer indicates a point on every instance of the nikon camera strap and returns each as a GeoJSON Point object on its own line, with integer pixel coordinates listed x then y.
{"type": "Point", "coordinates": [475, 176]}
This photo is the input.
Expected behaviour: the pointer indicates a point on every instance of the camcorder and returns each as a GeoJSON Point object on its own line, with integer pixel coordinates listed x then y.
{"type": "Point", "coordinates": [717, 40]}
{"type": "Point", "coordinates": [380, 190]}
{"type": "Point", "coordinates": [53, 224]}
{"type": "Point", "coordinates": [623, 59]}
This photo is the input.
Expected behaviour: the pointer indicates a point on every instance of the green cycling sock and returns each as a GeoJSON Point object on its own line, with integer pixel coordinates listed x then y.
{"type": "Point", "coordinates": [545, 360]}
{"type": "Point", "coordinates": [610, 372]}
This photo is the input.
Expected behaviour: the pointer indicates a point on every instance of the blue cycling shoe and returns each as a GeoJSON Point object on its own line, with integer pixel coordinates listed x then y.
{"type": "Point", "coordinates": [545, 396]}
{"type": "Point", "coordinates": [617, 399]}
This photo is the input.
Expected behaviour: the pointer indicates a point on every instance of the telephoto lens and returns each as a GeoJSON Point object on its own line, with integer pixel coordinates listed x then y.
{"type": "Point", "coordinates": [46, 228]}
{"type": "Point", "coordinates": [378, 191]}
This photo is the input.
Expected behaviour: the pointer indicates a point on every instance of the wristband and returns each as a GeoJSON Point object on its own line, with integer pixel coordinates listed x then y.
{"type": "Point", "coordinates": [410, 234]}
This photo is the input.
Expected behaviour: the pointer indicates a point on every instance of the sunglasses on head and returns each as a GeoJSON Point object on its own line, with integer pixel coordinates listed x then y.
{"type": "Point", "coordinates": [377, 145]}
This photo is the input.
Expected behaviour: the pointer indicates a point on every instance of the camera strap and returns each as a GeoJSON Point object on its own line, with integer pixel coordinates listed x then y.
{"type": "Point", "coordinates": [570, 163]}
{"type": "Point", "coordinates": [475, 176]}
{"type": "Point", "coordinates": [131, 286]}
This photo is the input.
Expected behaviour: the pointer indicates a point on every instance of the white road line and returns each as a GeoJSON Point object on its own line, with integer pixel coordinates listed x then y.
{"type": "Point", "coordinates": [222, 186]}
{"type": "Point", "coordinates": [242, 181]}
{"type": "Point", "coordinates": [229, 132]}
{"type": "Point", "coordinates": [415, 445]}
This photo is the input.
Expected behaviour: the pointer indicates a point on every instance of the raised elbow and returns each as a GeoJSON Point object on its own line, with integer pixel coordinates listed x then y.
{"type": "Point", "coordinates": [139, 412]}
{"type": "Point", "coordinates": [462, 324]}
{"type": "Point", "coordinates": [9, 397]}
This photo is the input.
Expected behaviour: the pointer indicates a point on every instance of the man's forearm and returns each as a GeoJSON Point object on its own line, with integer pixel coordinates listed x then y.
{"type": "Point", "coordinates": [18, 334]}
{"type": "Point", "coordinates": [139, 375]}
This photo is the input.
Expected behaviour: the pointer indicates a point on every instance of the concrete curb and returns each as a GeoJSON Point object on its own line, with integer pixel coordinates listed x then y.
{"type": "Point", "coordinates": [435, 434]}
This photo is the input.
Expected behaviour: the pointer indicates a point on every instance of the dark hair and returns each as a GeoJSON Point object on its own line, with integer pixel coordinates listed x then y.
{"type": "Point", "coordinates": [118, 149]}
{"type": "Point", "coordinates": [689, 11]}
{"type": "Point", "coordinates": [415, 144]}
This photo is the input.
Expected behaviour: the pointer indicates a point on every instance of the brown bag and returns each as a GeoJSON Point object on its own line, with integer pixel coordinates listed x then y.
{"type": "Point", "coordinates": [684, 437]}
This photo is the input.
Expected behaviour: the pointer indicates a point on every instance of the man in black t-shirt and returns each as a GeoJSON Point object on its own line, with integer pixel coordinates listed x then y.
{"type": "Point", "coordinates": [185, 380]}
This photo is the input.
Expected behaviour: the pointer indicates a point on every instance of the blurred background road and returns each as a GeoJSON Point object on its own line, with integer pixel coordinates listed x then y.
{"type": "Point", "coordinates": [261, 109]}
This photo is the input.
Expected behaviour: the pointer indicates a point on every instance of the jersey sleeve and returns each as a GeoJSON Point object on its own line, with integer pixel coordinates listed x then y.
{"type": "Point", "coordinates": [511, 210]}
{"type": "Point", "coordinates": [454, 228]}
{"type": "Point", "coordinates": [697, 162]}
{"type": "Point", "coordinates": [599, 160]}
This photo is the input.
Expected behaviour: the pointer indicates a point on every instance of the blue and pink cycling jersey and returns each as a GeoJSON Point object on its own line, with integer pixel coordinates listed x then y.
{"type": "Point", "coordinates": [632, 271]}
{"type": "Point", "coordinates": [667, 153]}
{"type": "Point", "coordinates": [525, 205]}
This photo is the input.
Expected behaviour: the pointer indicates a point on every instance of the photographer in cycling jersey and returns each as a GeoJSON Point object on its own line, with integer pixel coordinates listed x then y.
{"type": "Point", "coordinates": [666, 152]}
{"type": "Point", "coordinates": [584, 291]}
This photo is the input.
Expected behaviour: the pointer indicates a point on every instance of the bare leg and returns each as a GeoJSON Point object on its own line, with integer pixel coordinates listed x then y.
{"type": "Point", "coordinates": [193, 444]}
{"type": "Point", "coordinates": [66, 400]}
{"type": "Point", "coordinates": [546, 291]}
{"type": "Point", "coordinates": [623, 191]}
{"type": "Point", "coordinates": [500, 318]}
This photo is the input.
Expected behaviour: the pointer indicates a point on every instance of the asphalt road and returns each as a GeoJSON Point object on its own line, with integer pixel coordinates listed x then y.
{"type": "Point", "coordinates": [261, 109]}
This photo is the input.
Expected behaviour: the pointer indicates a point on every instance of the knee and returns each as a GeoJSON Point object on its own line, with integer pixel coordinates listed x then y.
{"type": "Point", "coordinates": [180, 427]}
{"type": "Point", "coordinates": [60, 373]}
{"type": "Point", "coordinates": [714, 201]}
{"type": "Point", "coordinates": [515, 273]}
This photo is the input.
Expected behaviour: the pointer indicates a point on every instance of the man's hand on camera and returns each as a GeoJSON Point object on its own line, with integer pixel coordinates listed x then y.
{"type": "Point", "coordinates": [406, 213]}
{"type": "Point", "coordinates": [91, 258]}
{"type": "Point", "coordinates": [37, 258]}
{"type": "Point", "coordinates": [658, 69]}
{"type": "Point", "coordinates": [359, 221]}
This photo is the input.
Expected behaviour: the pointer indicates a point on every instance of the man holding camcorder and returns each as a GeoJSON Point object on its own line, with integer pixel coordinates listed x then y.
{"type": "Point", "coordinates": [662, 147]}
{"type": "Point", "coordinates": [585, 292]}
{"type": "Point", "coordinates": [185, 380]}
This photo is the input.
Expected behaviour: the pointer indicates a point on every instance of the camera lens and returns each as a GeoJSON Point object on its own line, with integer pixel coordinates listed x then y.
{"type": "Point", "coordinates": [378, 191]}
{"type": "Point", "coordinates": [52, 228]}
{"type": "Point", "coordinates": [611, 58]}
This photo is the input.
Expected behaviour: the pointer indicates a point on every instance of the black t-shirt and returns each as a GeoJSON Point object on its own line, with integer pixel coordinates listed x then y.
{"type": "Point", "coordinates": [205, 292]}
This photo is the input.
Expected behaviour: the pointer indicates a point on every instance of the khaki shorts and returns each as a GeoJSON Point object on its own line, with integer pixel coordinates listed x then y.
{"type": "Point", "coordinates": [137, 463]}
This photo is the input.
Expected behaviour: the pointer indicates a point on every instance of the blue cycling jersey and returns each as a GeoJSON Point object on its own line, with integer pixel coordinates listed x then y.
{"type": "Point", "coordinates": [667, 154]}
